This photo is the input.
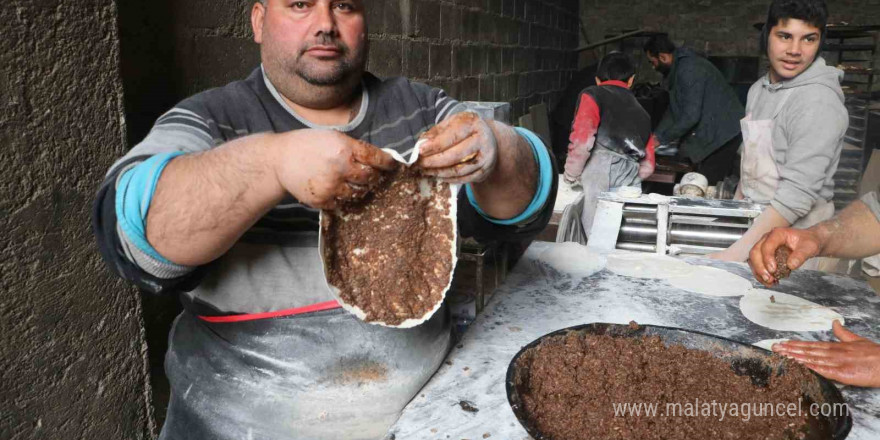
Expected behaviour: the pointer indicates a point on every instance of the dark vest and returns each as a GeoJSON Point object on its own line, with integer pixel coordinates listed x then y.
{"type": "Point", "coordinates": [624, 126]}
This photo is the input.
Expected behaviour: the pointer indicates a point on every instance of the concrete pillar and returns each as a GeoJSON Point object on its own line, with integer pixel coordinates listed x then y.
{"type": "Point", "coordinates": [72, 353]}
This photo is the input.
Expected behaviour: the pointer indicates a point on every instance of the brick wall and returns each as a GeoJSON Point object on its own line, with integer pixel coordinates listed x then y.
{"type": "Point", "coordinates": [491, 50]}
{"type": "Point", "coordinates": [718, 27]}
{"type": "Point", "coordinates": [517, 51]}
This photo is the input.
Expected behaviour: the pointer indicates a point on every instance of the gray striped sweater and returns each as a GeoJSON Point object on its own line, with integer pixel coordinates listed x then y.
{"type": "Point", "coordinates": [275, 265]}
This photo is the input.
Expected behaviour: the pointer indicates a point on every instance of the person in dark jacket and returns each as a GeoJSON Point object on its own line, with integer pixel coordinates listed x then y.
{"type": "Point", "coordinates": [609, 117]}
{"type": "Point", "coordinates": [704, 112]}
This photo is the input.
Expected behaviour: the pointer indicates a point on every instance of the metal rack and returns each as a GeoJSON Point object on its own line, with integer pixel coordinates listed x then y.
{"type": "Point", "coordinates": [854, 48]}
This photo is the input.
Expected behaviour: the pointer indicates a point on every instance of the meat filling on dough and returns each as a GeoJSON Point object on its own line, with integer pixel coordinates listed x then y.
{"type": "Point", "coordinates": [392, 253]}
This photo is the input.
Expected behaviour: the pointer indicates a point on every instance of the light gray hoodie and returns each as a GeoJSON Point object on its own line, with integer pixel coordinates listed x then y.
{"type": "Point", "coordinates": [808, 136]}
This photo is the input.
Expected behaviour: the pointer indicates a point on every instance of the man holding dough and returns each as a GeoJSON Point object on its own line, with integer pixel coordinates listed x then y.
{"type": "Point", "coordinates": [794, 126]}
{"type": "Point", "coordinates": [853, 233]}
{"type": "Point", "coordinates": [219, 204]}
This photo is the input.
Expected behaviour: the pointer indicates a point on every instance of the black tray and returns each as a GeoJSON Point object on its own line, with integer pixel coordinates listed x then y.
{"type": "Point", "coordinates": [744, 359]}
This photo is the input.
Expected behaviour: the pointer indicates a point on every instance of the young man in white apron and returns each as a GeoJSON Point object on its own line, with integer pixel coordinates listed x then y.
{"type": "Point", "coordinates": [794, 126]}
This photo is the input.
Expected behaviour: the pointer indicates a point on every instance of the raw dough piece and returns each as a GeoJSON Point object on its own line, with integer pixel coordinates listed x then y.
{"type": "Point", "coordinates": [658, 198]}
{"type": "Point", "coordinates": [629, 192]}
{"type": "Point", "coordinates": [767, 343]}
{"type": "Point", "coordinates": [573, 258]}
{"type": "Point", "coordinates": [645, 265]}
{"type": "Point", "coordinates": [788, 313]}
{"type": "Point", "coordinates": [713, 282]}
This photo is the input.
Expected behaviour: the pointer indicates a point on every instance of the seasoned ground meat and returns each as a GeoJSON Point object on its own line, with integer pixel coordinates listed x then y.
{"type": "Point", "coordinates": [571, 383]}
{"type": "Point", "coordinates": [782, 270]}
{"type": "Point", "coordinates": [392, 253]}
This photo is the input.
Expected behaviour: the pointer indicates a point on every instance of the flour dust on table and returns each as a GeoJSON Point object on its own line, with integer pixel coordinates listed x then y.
{"type": "Point", "coordinates": [574, 259]}
{"type": "Point", "coordinates": [712, 282]}
{"type": "Point", "coordinates": [644, 265]}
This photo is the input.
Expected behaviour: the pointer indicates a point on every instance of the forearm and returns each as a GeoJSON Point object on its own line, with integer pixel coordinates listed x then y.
{"type": "Point", "coordinates": [647, 164]}
{"type": "Point", "coordinates": [582, 136]}
{"type": "Point", "coordinates": [854, 233]}
{"type": "Point", "coordinates": [204, 202]}
{"type": "Point", "coordinates": [510, 188]}
{"type": "Point", "coordinates": [763, 224]}
{"type": "Point", "coordinates": [673, 126]}
{"type": "Point", "coordinates": [678, 129]}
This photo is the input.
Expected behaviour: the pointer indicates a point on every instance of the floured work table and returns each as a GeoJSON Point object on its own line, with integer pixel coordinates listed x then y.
{"type": "Point", "coordinates": [536, 299]}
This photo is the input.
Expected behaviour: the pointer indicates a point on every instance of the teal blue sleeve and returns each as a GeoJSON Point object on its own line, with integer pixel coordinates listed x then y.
{"type": "Point", "coordinates": [545, 182]}
{"type": "Point", "coordinates": [134, 192]}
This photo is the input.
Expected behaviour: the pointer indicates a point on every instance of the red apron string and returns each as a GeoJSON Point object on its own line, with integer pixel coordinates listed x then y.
{"type": "Point", "coordinates": [328, 305]}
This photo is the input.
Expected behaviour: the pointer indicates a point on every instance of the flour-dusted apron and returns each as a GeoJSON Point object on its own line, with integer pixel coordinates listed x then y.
{"type": "Point", "coordinates": [312, 376]}
{"type": "Point", "coordinates": [759, 172]}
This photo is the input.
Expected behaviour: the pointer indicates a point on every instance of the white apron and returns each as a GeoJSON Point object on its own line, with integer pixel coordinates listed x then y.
{"type": "Point", "coordinates": [759, 173]}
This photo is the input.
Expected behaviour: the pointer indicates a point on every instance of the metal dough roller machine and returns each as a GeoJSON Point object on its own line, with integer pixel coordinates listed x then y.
{"type": "Point", "coordinates": [670, 225]}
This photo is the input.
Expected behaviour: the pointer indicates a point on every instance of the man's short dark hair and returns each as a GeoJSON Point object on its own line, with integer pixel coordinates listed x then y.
{"type": "Point", "coordinates": [814, 12]}
{"type": "Point", "coordinates": [615, 66]}
{"type": "Point", "coordinates": [659, 44]}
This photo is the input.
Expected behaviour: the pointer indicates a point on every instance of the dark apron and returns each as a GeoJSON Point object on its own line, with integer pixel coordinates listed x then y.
{"type": "Point", "coordinates": [322, 375]}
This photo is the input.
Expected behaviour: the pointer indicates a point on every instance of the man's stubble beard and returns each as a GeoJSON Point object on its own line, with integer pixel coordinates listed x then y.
{"type": "Point", "coordinates": [314, 89]}
{"type": "Point", "coordinates": [664, 69]}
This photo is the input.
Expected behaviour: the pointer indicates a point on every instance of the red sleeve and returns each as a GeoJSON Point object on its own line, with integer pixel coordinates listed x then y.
{"type": "Point", "coordinates": [586, 120]}
{"type": "Point", "coordinates": [646, 165]}
{"type": "Point", "coordinates": [583, 128]}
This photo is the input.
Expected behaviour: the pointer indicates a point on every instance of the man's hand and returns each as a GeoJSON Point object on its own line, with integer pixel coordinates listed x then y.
{"type": "Point", "coordinates": [461, 149]}
{"type": "Point", "coordinates": [804, 244]}
{"type": "Point", "coordinates": [323, 167]}
{"type": "Point", "coordinates": [852, 361]}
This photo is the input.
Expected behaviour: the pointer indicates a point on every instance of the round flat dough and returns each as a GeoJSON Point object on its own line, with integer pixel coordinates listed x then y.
{"type": "Point", "coordinates": [573, 258]}
{"type": "Point", "coordinates": [786, 312]}
{"type": "Point", "coordinates": [644, 265]}
{"type": "Point", "coordinates": [712, 281]}
{"type": "Point", "coordinates": [767, 343]}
